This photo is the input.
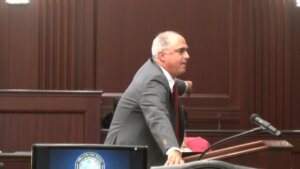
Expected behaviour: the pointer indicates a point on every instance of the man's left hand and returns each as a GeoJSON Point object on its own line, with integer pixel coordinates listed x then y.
{"type": "Point", "coordinates": [174, 158]}
{"type": "Point", "coordinates": [189, 87]}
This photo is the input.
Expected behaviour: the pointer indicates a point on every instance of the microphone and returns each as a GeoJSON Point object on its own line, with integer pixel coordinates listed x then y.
{"type": "Point", "coordinates": [228, 139]}
{"type": "Point", "coordinates": [219, 121]}
{"type": "Point", "coordinates": [254, 118]}
{"type": "Point", "coordinates": [263, 125]}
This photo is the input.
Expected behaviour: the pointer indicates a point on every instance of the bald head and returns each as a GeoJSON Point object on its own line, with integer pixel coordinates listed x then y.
{"type": "Point", "coordinates": [169, 50]}
{"type": "Point", "coordinates": [162, 42]}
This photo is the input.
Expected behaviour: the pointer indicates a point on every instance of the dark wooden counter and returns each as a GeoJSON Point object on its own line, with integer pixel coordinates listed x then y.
{"type": "Point", "coordinates": [48, 116]}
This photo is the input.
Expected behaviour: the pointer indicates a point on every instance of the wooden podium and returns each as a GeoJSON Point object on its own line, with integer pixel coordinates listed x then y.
{"type": "Point", "coordinates": [275, 154]}
{"type": "Point", "coordinates": [266, 154]}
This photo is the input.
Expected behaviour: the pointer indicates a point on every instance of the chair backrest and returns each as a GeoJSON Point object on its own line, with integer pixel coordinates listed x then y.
{"type": "Point", "coordinates": [1, 165]}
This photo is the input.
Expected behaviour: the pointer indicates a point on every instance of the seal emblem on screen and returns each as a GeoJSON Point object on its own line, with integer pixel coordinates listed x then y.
{"type": "Point", "coordinates": [89, 160]}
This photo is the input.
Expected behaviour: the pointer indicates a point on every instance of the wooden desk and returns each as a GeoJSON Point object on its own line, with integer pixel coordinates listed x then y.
{"type": "Point", "coordinates": [292, 136]}
{"type": "Point", "coordinates": [17, 160]}
{"type": "Point", "coordinates": [260, 154]}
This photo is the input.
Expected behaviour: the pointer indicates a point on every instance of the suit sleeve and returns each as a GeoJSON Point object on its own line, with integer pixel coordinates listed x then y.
{"type": "Point", "coordinates": [154, 103]}
{"type": "Point", "coordinates": [181, 86]}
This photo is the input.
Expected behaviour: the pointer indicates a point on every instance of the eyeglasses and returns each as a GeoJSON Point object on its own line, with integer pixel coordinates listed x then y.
{"type": "Point", "coordinates": [180, 50]}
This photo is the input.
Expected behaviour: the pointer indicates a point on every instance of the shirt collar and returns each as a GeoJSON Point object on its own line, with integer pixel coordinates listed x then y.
{"type": "Point", "coordinates": [170, 79]}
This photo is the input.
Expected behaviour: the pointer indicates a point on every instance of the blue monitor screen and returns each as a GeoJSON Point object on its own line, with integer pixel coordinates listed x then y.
{"type": "Point", "coordinates": [55, 156]}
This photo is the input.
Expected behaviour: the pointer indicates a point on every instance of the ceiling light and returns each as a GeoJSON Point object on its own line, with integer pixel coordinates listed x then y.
{"type": "Point", "coordinates": [17, 1]}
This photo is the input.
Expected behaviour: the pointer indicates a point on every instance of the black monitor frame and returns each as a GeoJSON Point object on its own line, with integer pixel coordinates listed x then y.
{"type": "Point", "coordinates": [39, 147]}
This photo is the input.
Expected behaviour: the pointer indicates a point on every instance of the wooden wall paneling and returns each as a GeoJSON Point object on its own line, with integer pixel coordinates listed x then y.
{"type": "Point", "coordinates": [276, 60]}
{"type": "Point", "coordinates": [210, 47]}
{"type": "Point", "coordinates": [233, 101]}
{"type": "Point", "coordinates": [244, 54]}
{"type": "Point", "coordinates": [84, 63]}
{"type": "Point", "coordinates": [287, 113]}
{"type": "Point", "coordinates": [28, 117]}
{"type": "Point", "coordinates": [219, 44]}
{"type": "Point", "coordinates": [57, 44]}
{"type": "Point", "coordinates": [123, 42]}
{"type": "Point", "coordinates": [3, 44]}
{"type": "Point", "coordinates": [47, 44]}
{"type": "Point", "coordinates": [242, 61]}
{"type": "Point", "coordinates": [139, 21]}
{"type": "Point", "coordinates": [287, 67]}
{"type": "Point", "coordinates": [294, 112]}
{"type": "Point", "coordinates": [19, 45]}
{"type": "Point", "coordinates": [272, 59]}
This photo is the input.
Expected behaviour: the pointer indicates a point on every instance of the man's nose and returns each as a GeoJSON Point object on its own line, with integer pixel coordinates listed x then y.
{"type": "Point", "coordinates": [187, 56]}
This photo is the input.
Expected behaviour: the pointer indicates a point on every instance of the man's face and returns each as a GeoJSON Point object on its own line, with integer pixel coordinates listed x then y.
{"type": "Point", "coordinates": [176, 57]}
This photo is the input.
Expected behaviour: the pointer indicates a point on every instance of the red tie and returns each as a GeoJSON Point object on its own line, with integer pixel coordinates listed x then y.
{"type": "Point", "coordinates": [175, 100]}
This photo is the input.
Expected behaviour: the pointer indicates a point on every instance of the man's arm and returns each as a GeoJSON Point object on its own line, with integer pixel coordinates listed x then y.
{"type": "Point", "coordinates": [184, 87]}
{"type": "Point", "coordinates": [153, 104]}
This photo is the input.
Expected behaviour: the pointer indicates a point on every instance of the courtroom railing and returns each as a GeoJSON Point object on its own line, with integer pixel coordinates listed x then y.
{"type": "Point", "coordinates": [48, 116]}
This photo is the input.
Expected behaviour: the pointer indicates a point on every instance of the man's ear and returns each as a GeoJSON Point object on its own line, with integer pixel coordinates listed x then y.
{"type": "Point", "coordinates": [161, 57]}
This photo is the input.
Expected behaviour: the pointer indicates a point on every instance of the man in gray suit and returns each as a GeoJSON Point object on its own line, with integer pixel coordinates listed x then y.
{"type": "Point", "coordinates": [145, 114]}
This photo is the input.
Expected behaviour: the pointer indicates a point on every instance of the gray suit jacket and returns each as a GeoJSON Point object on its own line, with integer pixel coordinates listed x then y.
{"type": "Point", "coordinates": [145, 114]}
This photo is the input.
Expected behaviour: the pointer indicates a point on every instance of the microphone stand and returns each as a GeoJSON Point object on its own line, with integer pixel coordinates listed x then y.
{"type": "Point", "coordinates": [230, 138]}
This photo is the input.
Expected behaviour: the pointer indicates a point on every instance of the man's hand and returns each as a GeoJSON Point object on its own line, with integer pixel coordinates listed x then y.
{"type": "Point", "coordinates": [189, 87]}
{"type": "Point", "coordinates": [174, 158]}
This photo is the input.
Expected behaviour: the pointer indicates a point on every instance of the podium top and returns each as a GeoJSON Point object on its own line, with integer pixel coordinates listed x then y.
{"type": "Point", "coordinates": [243, 149]}
{"type": "Point", "coordinates": [204, 164]}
